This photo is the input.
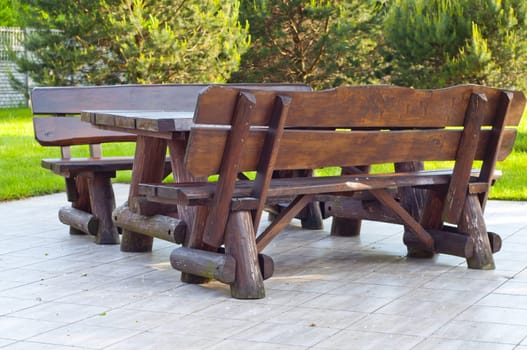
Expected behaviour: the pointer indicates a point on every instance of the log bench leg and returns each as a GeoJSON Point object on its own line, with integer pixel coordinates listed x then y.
{"type": "Point", "coordinates": [102, 200]}
{"type": "Point", "coordinates": [473, 223]}
{"type": "Point", "coordinates": [77, 190]}
{"type": "Point", "coordinates": [240, 243]}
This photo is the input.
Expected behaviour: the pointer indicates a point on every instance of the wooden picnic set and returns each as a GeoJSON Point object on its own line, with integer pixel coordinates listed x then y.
{"type": "Point", "coordinates": [235, 151]}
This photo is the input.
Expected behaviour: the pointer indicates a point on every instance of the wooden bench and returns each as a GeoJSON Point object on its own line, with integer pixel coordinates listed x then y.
{"type": "Point", "coordinates": [88, 180]}
{"type": "Point", "coordinates": [351, 128]}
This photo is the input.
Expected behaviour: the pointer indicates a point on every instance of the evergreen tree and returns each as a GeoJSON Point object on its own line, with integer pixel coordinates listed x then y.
{"type": "Point", "coordinates": [434, 43]}
{"type": "Point", "coordinates": [132, 41]}
{"type": "Point", "coordinates": [177, 41]}
{"type": "Point", "coordinates": [319, 42]}
{"type": "Point", "coordinates": [9, 13]}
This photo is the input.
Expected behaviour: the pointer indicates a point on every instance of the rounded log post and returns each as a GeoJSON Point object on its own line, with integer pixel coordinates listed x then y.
{"type": "Point", "coordinates": [413, 200]}
{"type": "Point", "coordinates": [265, 262]}
{"type": "Point", "coordinates": [194, 217]}
{"type": "Point", "coordinates": [348, 227]}
{"type": "Point", "coordinates": [79, 195]}
{"type": "Point", "coordinates": [159, 226]}
{"type": "Point", "coordinates": [79, 220]}
{"type": "Point", "coordinates": [240, 242]}
{"type": "Point", "coordinates": [473, 224]}
{"type": "Point", "coordinates": [102, 202]}
{"type": "Point", "coordinates": [312, 217]}
{"type": "Point", "coordinates": [345, 227]}
{"type": "Point", "coordinates": [149, 166]}
{"type": "Point", "coordinates": [221, 267]}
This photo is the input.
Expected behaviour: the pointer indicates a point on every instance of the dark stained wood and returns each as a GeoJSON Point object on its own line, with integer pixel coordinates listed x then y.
{"type": "Point", "coordinates": [79, 220]}
{"type": "Point", "coordinates": [281, 221]}
{"type": "Point", "coordinates": [466, 152]}
{"type": "Point", "coordinates": [203, 263]}
{"type": "Point", "coordinates": [150, 156]}
{"type": "Point", "coordinates": [265, 167]}
{"type": "Point", "coordinates": [219, 211]}
{"type": "Point", "coordinates": [495, 143]}
{"type": "Point", "coordinates": [347, 227]}
{"type": "Point", "coordinates": [472, 223]}
{"type": "Point", "coordinates": [446, 242]}
{"type": "Point", "coordinates": [160, 226]}
{"type": "Point", "coordinates": [81, 196]}
{"type": "Point", "coordinates": [346, 209]}
{"type": "Point", "coordinates": [102, 202]}
{"type": "Point", "coordinates": [201, 193]}
{"type": "Point", "coordinates": [175, 97]}
{"type": "Point", "coordinates": [60, 131]}
{"type": "Point", "coordinates": [79, 166]}
{"type": "Point", "coordinates": [373, 147]}
{"type": "Point", "coordinates": [240, 243]}
{"type": "Point", "coordinates": [362, 106]}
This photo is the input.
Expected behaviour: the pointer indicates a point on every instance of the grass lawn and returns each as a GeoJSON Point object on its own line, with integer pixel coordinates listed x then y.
{"type": "Point", "coordinates": [21, 175]}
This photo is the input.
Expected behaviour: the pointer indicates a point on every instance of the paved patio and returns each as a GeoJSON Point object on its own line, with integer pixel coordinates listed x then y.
{"type": "Point", "coordinates": [64, 292]}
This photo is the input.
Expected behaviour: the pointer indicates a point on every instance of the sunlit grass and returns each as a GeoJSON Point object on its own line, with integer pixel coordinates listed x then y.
{"type": "Point", "coordinates": [21, 175]}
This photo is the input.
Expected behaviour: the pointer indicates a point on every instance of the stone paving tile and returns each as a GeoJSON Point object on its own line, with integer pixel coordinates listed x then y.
{"type": "Point", "coordinates": [454, 344]}
{"type": "Point", "coordinates": [82, 335]}
{"type": "Point", "coordinates": [286, 334]}
{"type": "Point", "coordinates": [490, 332]}
{"type": "Point", "coordinates": [231, 344]}
{"type": "Point", "coordinates": [367, 341]}
{"type": "Point", "coordinates": [65, 292]}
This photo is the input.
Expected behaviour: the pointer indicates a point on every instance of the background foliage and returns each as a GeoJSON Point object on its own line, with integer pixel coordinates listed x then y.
{"type": "Point", "coordinates": [435, 43]}
{"type": "Point", "coordinates": [132, 41]}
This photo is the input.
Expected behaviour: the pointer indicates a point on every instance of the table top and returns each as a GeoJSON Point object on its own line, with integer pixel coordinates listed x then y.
{"type": "Point", "coordinates": [140, 120]}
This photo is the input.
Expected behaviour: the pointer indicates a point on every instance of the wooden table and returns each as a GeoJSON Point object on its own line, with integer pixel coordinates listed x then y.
{"type": "Point", "coordinates": [156, 131]}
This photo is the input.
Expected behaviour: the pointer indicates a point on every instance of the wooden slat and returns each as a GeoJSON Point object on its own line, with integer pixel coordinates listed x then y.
{"type": "Point", "coordinates": [175, 97]}
{"type": "Point", "coordinates": [361, 106]}
{"type": "Point", "coordinates": [466, 152]}
{"type": "Point", "coordinates": [60, 131]}
{"type": "Point", "coordinates": [314, 149]}
{"type": "Point", "coordinates": [219, 211]}
{"type": "Point", "coordinates": [495, 143]}
{"type": "Point", "coordinates": [192, 193]}
{"type": "Point", "coordinates": [266, 163]}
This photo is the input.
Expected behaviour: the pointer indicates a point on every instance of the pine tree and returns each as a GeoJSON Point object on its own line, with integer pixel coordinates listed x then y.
{"type": "Point", "coordinates": [319, 42]}
{"type": "Point", "coordinates": [434, 43]}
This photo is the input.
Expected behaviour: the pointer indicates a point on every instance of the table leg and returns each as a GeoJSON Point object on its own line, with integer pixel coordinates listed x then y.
{"type": "Point", "coordinates": [348, 227]}
{"type": "Point", "coordinates": [194, 217]}
{"type": "Point", "coordinates": [413, 200]}
{"type": "Point", "coordinates": [150, 154]}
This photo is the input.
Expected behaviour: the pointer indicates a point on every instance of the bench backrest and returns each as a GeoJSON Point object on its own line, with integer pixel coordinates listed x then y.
{"type": "Point", "coordinates": [348, 126]}
{"type": "Point", "coordinates": [358, 125]}
{"type": "Point", "coordinates": [70, 101]}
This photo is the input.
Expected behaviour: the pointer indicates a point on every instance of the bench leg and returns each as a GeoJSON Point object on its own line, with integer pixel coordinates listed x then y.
{"type": "Point", "coordinates": [194, 239]}
{"type": "Point", "coordinates": [102, 200]}
{"type": "Point", "coordinates": [241, 244]}
{"type": "Point", "coordinates": [472, 223]}
{"type": "Point", "coordinates": [78, 192]}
